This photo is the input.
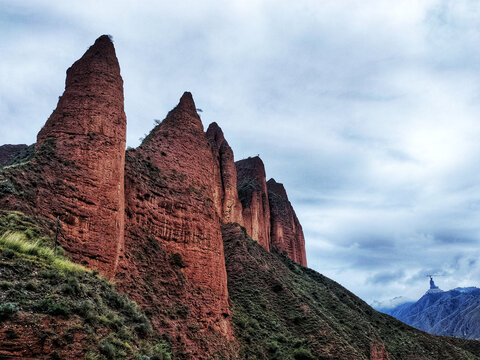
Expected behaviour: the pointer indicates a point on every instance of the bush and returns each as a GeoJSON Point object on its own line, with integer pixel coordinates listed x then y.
{"type": "Point", "coordinates": [7, 310]}
{"type": "Point", "coordinates": [177, 260]}
{"type": "Point", "coordinates": [52, 307]}
{"type": "Point", "coordinates": [303, 354]}
{"type": "Point", "coordinates": [5, 285]}
{"type": "Point", "coordinates": [108, 349]}
{"type": "Point", "coordinates": [161, 352]}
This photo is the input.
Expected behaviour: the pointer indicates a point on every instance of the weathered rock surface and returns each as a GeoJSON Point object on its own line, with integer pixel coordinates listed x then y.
{"type": "Point", "coordinates": [8, 152]}
{"type": "Point", "coordinates": [174, 263]}
{"type": "Point", "coordinates": [252, 191]}
{"type": "Point", "coordinates": [286, 231]}
{"type": "Point", "coordinates": [77, 170]}
{"type": "Point", "coordinates": [229, 206]}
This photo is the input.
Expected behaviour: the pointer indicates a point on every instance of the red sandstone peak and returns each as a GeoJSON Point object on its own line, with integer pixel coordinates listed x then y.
{"type": "Point", "coordinates": [252, 167]}
{"type": "Point", "coordinates": [226, 199]}
{"type": "Point", "coordinates": [183, 117]}
{"type": "Point", "coordinates": [286, 231]}
{"type": "Point", "coordinates": [82, 146]}
{"type": "Point", "coordinates": [172, 187]}
{"type": "Point", "coordinates": [215, 135]}
{"type": "Point", "coordinates": [277, 188]}
{"type": "Point", "coordinates": [93, 79]}
{"type": "Point", "coordinates": [186, 103]}
{"type": "Point", "coordinates": [252, 192]}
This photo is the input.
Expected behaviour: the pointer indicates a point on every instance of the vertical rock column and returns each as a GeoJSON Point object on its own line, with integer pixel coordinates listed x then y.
{"type": "Point", "coordinates": [173, 242]}
{"type": "Point", "coordinates": [252, 191]}
{"type": "Point", "coordinates": [81, 151]}
{"type": "Point", "coordinates": [226, 194]}
{"type": "Point", "coordinates": [286, 231]}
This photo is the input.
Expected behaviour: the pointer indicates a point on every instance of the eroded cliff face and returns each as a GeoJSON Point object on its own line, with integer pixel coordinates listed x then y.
{"type": "Point", "coordinates": [8, 152]}
{"type": "Point", "coordinates": [286, 231]}
{"type": "Point", "coordinates": [252, 191]}
{"type": "Point", "coordinates": [77, 169]}
{"type": "Point", "coordinates": [174, 263]}
{"type": "Point", "coordinates": [226, 199]}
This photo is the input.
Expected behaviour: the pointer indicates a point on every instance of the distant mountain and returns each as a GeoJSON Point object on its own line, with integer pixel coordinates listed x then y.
{"type": "Point", "coordinates": [450, 313]}
{"type": "Point", "coordinates": [386, 305]}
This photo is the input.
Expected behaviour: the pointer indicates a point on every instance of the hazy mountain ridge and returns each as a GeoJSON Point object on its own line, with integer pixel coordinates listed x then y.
{"type": "Point", "coordinates": [449, 313]}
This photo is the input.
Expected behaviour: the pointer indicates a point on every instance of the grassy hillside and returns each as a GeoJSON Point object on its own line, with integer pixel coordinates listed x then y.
{"type": "Point", "coordinates": [282, 310]}
{"type": "Point", "coordinates": [52, 307]}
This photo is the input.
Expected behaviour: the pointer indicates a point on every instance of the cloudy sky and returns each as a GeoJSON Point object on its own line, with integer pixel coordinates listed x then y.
{"type": "Point", "coordinates": [368, 112]}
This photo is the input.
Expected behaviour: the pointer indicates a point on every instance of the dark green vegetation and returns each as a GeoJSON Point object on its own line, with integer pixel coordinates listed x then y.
{"type": "Point", "coordinates": [282, 310]}
{"type": "Point", "coordinates": [61, 309]}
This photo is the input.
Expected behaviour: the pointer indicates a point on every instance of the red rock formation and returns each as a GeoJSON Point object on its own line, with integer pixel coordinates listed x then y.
{"type": "Point", "coordinates": [77, 170]}
{"type": "Point", "coordinates": [8, 152]}
{"type": "Point", "coordinates": [252, 191]}
{"type": "Point", "coordinates": [229, 206]}
{"type": "Point", "coordinates": [286, 231]}
{"type": "Point", "coordinates": [378, 352]}
{"type": "Point", "coordinates": [174, 261]}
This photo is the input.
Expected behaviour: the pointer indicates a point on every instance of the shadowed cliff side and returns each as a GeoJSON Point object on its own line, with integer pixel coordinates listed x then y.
{"type": "Point", "coordinates": [76, 170]}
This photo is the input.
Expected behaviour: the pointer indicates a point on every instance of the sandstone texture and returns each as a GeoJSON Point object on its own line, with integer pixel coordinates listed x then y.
{"type": "Point", "coordinates": [174, 262]}
{"type": "Point", "coordinates": [8, 152]}
{"type": "Point", "coordinates": [77, 170]}
{"type": "Point", "coordinates": [286, 231]}
{"type": "Point", "coordinates": [252, 191]}
{"type": "Point", "coordinates": [226, 199]}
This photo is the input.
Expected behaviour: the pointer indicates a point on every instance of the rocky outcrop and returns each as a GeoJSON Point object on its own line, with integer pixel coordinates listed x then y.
{"type": "Point", "coordinates": [174, 263]}
{"type": "Point", "coordinates": [8, 152]}
{"type": "Point", "coordinates": [77, 170]}
{"type": "Point", "coordinates": [229, 206]}
{"type": "Point", "coordinates": [286, 231]}
{"type": "Point", "coordinates": [252, 192]}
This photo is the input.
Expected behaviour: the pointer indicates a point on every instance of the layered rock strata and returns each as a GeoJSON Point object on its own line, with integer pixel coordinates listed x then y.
{"type": "Point", "coordinates": [286, 231]}
{"type": "Point", "coordinates": [173, 244]}
{"type": "Point", "coordinates": [229, 206]}
{"type": "Point", "coordinates": [252, 191]}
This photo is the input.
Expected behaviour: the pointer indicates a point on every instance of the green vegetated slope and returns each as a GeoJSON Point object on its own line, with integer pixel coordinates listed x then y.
{"type": "Point", "coordinates": [282, 310]}
{"type": "Point", "coordinates": [51, 307]}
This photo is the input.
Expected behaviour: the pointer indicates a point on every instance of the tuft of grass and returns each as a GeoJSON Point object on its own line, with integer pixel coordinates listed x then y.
{"type": "Point", "coordinates": [37, 282]}
{"type": "Point", "coordinates": [20, 242]}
